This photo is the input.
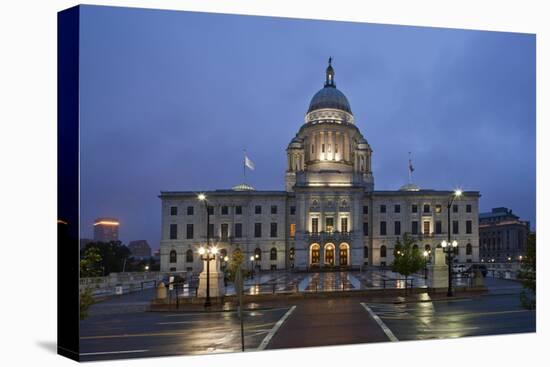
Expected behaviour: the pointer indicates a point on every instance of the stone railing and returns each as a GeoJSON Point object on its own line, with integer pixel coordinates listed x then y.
{"type": "Point", "coordinates": [119, 283]}
{"type": "Point", "coordinates": [328, 236]}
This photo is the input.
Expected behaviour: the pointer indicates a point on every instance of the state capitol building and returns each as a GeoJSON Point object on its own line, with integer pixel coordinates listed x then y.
{"type": "Point", "coordinates": [328, 216]}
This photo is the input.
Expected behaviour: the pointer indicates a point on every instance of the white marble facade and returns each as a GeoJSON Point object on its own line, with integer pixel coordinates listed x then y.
{"type": "Point", "coordinates": [329, 213]}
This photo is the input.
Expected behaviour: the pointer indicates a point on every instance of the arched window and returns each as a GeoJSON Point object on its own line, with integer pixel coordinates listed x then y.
{"type": "Point", "coordinates": [383, 251]}
{"type": "Point", "coordinates": [365, 252]}
{"type": "Point", "coordinates": [189, 256]}
{"type": "Point", "coordinates": [173, 256]}
{"type": "Point", "coordinates": [223, 253]}
{"type": "Point", "coordinates": [273, 254]}
{"type": "Point", "coordinates": [469, 249]}
{"type": "Point", "coordinates": [428, 248]}
{"type": "Point", "coordinates": [415, 247]}
{"type": "Point", "coordinates": [257, 254]}
{"type": "Point", "coordinates": [291, 254]}
{"type": "Point", "coordinates": [439, 245]}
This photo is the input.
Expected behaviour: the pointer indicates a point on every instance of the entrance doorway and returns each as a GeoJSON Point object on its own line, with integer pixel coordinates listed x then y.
{"type": "Point", "coordinates": [315, 255]}
{"type": "Point", "coordinates": [343, 254]}
{"type": "Point", "coordinates": [329, 254]}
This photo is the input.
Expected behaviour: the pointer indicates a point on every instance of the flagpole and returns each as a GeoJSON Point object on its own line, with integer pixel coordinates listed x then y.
{"type": "Point", "coordinates": [244, 166]}
{"type": "Point", "coordinates": [410, 172]}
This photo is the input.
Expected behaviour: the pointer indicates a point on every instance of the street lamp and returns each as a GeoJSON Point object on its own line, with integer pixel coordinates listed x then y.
{"type": "Point", "coordinates": [449, 246]}
{"type": "Point", "coordinates": [425, 264]}
{"type": "Point", "coordinates": [252, 267]}
{"type": "Point", "coordinates": [209, 253]}
{"type": "Point", "coordinates": [146, 267]}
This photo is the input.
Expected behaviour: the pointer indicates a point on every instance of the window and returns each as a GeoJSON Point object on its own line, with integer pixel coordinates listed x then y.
{"type": "Point", "coordinates": [258, 254]}
{"type": "Point", "coordinates": [273, 230]}
{"type": "Point", "coordinates": [258, 209]}
{"type": "Point", "coordinates": [173, 256]}
{"type": "Point", "coordinates": [344, 225]}
{"type": "Point", "coordinates": [414, 208]}
{"type": "Point", "coordinates": [426, 208]}
{"type": "Point", "coordinates": [292, 210]}
{"type": "Point", "coordinates": [273, 254]}
{"type": "Point", "coordinates": [382, 228]}
{"type": "Point", "coordinates": [329, 224]}
{"type": "Point", "coordinates": [173, 210]}
{"type": "Point", "coordinates": [469, 226]}
{"type": "Point", "coordinates": [365, 229]}
{"type": "Point", "coordinates": [273, 209]}
{"type": "Point", "coordinates": [468, 208]}
{"type": "Point", "coordinates": [397, 208]}
{"type": "Point", "coordinates": [223, 253]}
{"type": "Point", "coordinates": [469, 249]}
{"type": "Point", "coordinates": [238, 230]}
{"type": "Point", "coordinates": [210, 229]}
{"type": "Point", "coordinates": [291, 254]}
{"type": "Point", "coordinates": [438, 227]}
{"type": "Point", "coordinates": [257, 229]}
{"type": "Point", "coordinates": [190, 210]}
{"type": "Point", "coordinates": [173, 231]}
{"type": "Point", "coordinates": [225, 231]}
{"type": "Point", "coordinates": [383, 251]}
{"type": "Point", "coordinates": [312, 148]}
{"type": "Point", "coordinates": [292, 231]}
{"type": "Point", "coordinates": [210, 210]}
{"type": "Point", "coordinates": [365, 252]}
{"type": "Point", "coordinates": [382, 208]}
{"type": "Point", "coordinates": [189, 231]}
{"type": "Point", "coordinates": [397, 227]}
{"type": "Point", "coordinates": [438, 208]}
{"type": "Point", "coordinates": [428, 248]}
{"type": "Point", "coordinates": [414, 227]}
{"type": "Point", "coordinates": [238, 210]}
{"type": "Point", "coordinates": [189, 256]}
{"type": "Point", "coordinates": [455, 208]}
{"type": "Point", "coordinates": [225, 210]}
{"type": "Point", "coordinates": [314, 225]}
{"type": "Point", "coordinates": [455, 226]}
{"type": "Point", "coordinates": [365, 209]}
{"type": "Point", "coordinates": [322, 148]}
{"type": "Point", "coordinates": [426, 227]}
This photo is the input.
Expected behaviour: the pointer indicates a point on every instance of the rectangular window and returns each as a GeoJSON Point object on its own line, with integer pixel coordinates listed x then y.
{"type": "Point", "coordinates": [273, 209]}
{"type": "Point", "coordinates": [365, 209]}
{"type": "Point", "coordinates": [322, 148]}
{"type": "Point", "coordinates": [225, 210]}
{"type": "Point", "coordinates": [312, 148]}
{"type": "Point", "coordinates": [414, 208]}
{"type": "Point", "coordinates": [190, 210]}
{"type": "Point", "coordinates": [238, 230]}
{"type": "Point", "coordinates": [344, 225]}
{"type": "Point", "coordinates": [397, 208]}
{"type": "Point", "coordinates": [468, 208]}
{"type": "Point", "coordinates": [257, 229]}
{"type": "Point", "coordinates": [335, 148]}
{"type": "Point", "coordinates": [190, 231]}
{"type": "Point", "coordinates": [292, 231]}
{"type": "Point", "coordinates": [173, 210]}
{"type": "Point", "coordinates": [426, 227]}
{"type": "Point", "coordinates": [210, 210]}
{"type": "Point", "coordinates": [397, 228]}
{"type": "Point", "coordinates": [225, 231]}
{"type": "Point", "coordinates": [210, 230]}
{"type": "Point", "coordinates": [329, 224]}
{"type": "Point", "coordinates": [314, 225]}
{"type": "Point", "coordinates": [382, 208]}
{"type": "Point", "coordinates": [426, 208]}
{"type": "Point", "coordinates": [438, 208]}
{"type": "Point", "coordinates": [258, 209]}
{"type": "Point", "coordinates": [173, 231]}
{"type": "Point", "coordinates": [468, 226]}
{"type": "Point", "coordinates": [382, 228]}
{"type": "Point", "coordinates": [238, 210]}
{"type": "Point", "coordinates": [292, 210]}
{"type": "Point", "coordinates": [455, 226]}
{"type": "Point", "coordinates": [273, 230]}
{"type": "Point", "coordinates": [414, 227]}
{"type": "Point", "coordinates": [365, 228]}
{"type": "Point", "coordinates": [438, 227]}
{"type": "Point", "coordinates": [455, 208]}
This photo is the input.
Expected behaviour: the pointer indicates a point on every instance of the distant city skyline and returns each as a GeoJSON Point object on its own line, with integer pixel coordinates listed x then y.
{"type": "Point", "coordinates": [169, 100]}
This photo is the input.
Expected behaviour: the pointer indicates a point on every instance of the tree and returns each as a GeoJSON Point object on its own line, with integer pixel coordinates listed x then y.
{"type": "Point", "coordinates": [89, 267]}
{"type": "Point", "coordinates": [528, 274]}
{"type": "Point", "coordinates": [235, 263]}
{"type": "Point", "coordinates": [114, 255]}
{"type": "Point", "coordinates": [407, 258]}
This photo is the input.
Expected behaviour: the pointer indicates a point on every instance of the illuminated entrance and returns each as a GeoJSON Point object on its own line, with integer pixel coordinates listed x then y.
{"type": "Point", "coordinates": [315, 254]}
{"type": "Point", "coordinates": [344, 253]}
{"type": "Point", "coordinates": [329, 254]}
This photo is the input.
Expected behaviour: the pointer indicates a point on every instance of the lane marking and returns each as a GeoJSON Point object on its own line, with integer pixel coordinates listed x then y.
{"type": "Point", "coordinates": [380, 323]}
{"type": "Point", "coordinates": [115, 352]}
{"type": "Point", "coordinates": [217, 313]}
{"type": "Point", "coordinates": [275, 328]}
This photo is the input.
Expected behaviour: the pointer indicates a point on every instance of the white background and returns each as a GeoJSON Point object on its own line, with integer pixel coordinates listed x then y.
{"type": "Point", "coordinates": [28, 180]}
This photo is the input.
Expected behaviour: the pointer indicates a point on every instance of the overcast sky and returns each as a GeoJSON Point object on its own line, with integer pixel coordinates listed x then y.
{"type": "Point", "coordinates": [169, 100]}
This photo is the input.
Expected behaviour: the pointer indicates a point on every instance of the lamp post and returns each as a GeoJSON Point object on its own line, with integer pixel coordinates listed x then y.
{"type": "Point", "coordinates": [209, 253]}
{"type": "Point", "coordinates": [252, 267]}
{"type": "Point", "coordinates": [425, 264]}
{"type": "Point", "coordinates": [449, 246]}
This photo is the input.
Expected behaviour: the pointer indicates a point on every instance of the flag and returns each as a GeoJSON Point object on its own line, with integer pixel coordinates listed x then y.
{"type": "Point", "coordinates": [248, 163]}
{"type": "Point", "coordinates": [411, 168]}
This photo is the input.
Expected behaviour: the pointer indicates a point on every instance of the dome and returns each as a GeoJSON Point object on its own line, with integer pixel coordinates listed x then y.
{"type": "Point", "coordinates": [409, 187]}
{"type": "Point", "coordinates": [329, 96]}
{"type": "Point", "coordinates": [243, 187]}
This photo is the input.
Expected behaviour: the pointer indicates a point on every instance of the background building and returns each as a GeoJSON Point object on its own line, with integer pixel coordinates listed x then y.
{"type": "Point", "coordinates": [502, 236]}
{"type": "Point", "coordinates": [140, 249]}
{"type": "Point", "coordinates": [329, 214]}
{"type": "Point", "coordinates": [106, 229]}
